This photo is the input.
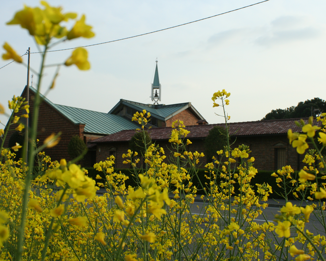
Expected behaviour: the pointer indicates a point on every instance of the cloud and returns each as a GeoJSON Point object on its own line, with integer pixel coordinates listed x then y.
{"type": "Point", "coordinates": [227, 37]}
{"type": "Point", "coordinates": [288, 29]}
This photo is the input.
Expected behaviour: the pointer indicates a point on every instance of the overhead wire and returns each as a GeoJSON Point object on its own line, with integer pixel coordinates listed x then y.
{"type": "Point", "coordinates": [152, 32]}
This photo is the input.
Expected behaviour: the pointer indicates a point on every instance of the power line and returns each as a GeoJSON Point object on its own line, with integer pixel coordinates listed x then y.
{"type": "Point", "coordinates": [11, 62]}
{"type": "Point", "coordinates": [152, 32]}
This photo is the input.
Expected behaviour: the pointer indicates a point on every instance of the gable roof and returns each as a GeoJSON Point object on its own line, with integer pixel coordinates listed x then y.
{"type": "Point", "coordinates": [159, 111]}
{"type": "Point", "coordinates": [238, 129]}
{"type": "Point", "coordinates": [95, 122]}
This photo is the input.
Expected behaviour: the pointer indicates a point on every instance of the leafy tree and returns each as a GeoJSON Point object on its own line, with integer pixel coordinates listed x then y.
{"type": "Point", "coordinates": [303, 109]}
{"type": "Point", "coordinates": [76, 146]}
{"type": "Point", "coordinates": [215, 141]}
{"type": "Point", "coordinates": [138, 141]}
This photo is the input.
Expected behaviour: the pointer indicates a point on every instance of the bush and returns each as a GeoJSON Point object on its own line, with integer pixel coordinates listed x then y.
{"type": "Point", "coordinates": [215, 141]}
{"type": "Point", "coordinates": [76, 147]}
{"type": "Point", "coordinates": [138, 141]}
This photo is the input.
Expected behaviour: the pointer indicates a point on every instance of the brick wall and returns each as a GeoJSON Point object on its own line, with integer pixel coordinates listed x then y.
{"type": "Point", "coordinates": [51, 121]}
{"type": "Point", "coordinates": [186, 116]}
{"type": "Point", "coordinates": [262, 147]}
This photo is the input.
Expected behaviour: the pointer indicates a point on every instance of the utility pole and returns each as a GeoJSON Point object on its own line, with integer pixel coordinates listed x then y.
{"type": "Point", "coordinates": [27, 98]}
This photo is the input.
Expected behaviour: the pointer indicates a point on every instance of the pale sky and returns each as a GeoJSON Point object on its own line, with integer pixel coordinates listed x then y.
{"type": "Point", "coordinates": [268, 56]}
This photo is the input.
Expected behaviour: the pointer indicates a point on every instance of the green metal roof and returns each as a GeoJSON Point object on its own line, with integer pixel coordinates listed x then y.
{"type": "Point", "coordinates": [156, 82]}
{"type": "Point", "coordinates": [160, 111]}
{"type": "Point", "coordinates": [95, 122]}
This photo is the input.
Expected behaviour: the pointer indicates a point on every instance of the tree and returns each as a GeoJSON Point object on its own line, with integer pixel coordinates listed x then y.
{"type": "Point", "coordinates": [215, 141]}
{"type": "Point", "coordinates": [303, 109]}
{"type": "Point", "coordinates": [76, 146]}
{"type": "Point", "coordinates": [138, 141]}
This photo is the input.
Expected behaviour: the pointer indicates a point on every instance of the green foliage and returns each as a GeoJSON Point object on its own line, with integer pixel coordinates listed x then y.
{"type": "Point", "coordinates": [138, 141]}
{"type": "Point", "coordinates": [76, 146]}
{"type": "Point", "coordinates": [303, 109]}
{"type": "Point", "coordinates": [215, 141]}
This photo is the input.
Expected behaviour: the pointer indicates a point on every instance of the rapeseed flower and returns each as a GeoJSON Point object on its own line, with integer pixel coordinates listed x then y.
{"type": "Point", "coordinates": [294, 251]}
{"type": "Point", "coordinates": [78, 221]}
{"type": "Point", "coordinates": [11, 54]}
{"type": "Point", "coordinates": [100, 238]}
{"type": "Point", "coordinates": [304, 176]}
{"type": "Point", "coordinates": [34, 204]}
{"type": "Point", "coordinates": [300, 144]}
{"type": "Point", "coordinates": [290, 210]}
{"type": "Point", "coordinates": [79, 58]}
{"type": "Point", "coordinates": [322, 138]}
{"type": "Point", "coordinates": [283, 229]}
{"type": "Point", "coordinates": [51, 141]}
{"type": "Point", "coordinates": [16, 147]}
{"type": "Point", "coordinates": [321, 194]}
{"type": "Point", "coordinates": [58, 211]}
{"type": "Point", "coordinates": [80, 29]}
{"type": "Point", "coordinates": [149, 237]}
{"type": "Point", "coordinates": [307, 211]}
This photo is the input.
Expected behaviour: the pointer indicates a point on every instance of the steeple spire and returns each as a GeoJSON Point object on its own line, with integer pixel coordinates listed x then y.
{"type": "Point", "coordinates": [156, 87]}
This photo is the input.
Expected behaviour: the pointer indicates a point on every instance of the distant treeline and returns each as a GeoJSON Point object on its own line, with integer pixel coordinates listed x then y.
{"type": "Point", "coordinates": [303, 109]}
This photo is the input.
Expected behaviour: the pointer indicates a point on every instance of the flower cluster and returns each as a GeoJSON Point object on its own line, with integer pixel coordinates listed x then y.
{"type": "Point", "coordinates": [223, 95]}
{"type": "Point", "coordinates": [45, 25]}
{"type": "Point", "coordinates": [141, 118]}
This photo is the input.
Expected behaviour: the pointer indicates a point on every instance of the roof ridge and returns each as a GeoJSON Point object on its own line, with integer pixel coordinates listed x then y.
{"type": "Point", "coordinates": [79, 108]}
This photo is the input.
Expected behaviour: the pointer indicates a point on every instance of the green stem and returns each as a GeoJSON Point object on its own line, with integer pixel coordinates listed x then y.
{"type": "Point", "coordinates": [30, 163]}
{"type": "Point", "coordinates": [49, 231]}
{"type": "Point", "coordinates": [312, 243]}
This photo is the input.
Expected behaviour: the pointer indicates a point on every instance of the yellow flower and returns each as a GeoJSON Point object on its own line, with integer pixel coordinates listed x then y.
{"type": "Point", "coordinates": [2, 132]}
{"type": "Point", "coordinates": [131, 257]}
{"type": "Point", "coordinates": [227, 102]}
{"type": "Point", "coordinates": [119, 202]}
{"type": "Point", "coordinates": [54, 14]}
{"type": "Point", "coordinates": [4, 234]}
{"type": "Point", "coordinates": [234, 226]}
{"type": "Point", "coordinates": [294, 251]}
{"type": "Point", "coordinates": [289, 209]}
{"type": "Point", "coordinates": [51, 141]}
{"type": "Point", "coordinates": [156, 209]}
{"type": "Point", "coordinates": [302, 257]}
{"type": "Point", "coordinates": [56, 212]}
{"type": "Point", "coordinates": [304, 176]}
{"type": "Point", "coordinates": [78, 221]}
{"type": "Point", "coordinates": [119, 216]}
{"type": "Point", "coordinates": [30, 19]}
{"type": "Point", "coordinates": [307, 211]}
{"type": "Point", "coordinates": [80, 29]}
{"type": "Point", "coordinates": [292, 136]}
{"type": "Point", "coordinates": [10, 54]}
{"type": "Point", "coordinates": [34, 204]}
{"type": "Point", "coordinates": [100, 238]}
{"type": "Point", "coordinates": [189, 142]}
{"type": "Point", "coordinates": [2, 109]}
{"type": "Point", "coordinates": [16, 147]}
{"type": "Point", "coordinates": [322, 138]}
{"type": "Point", "coordinates": [300, 144]}
{"type": "Point", "coordinates": [79, 58]}
{"type": "Point", "coordinates": [3, 217]}
{"type": "Point", "coordinates": [20, 127]}
{"type": "Point", "coordinates": [310, 130]}
{"type": "Point", "coordinates": [321, 194]}
{"type": "Point", "coordinates": [149, 237]}
{"type": "Point", "coordinates": [283, 229]}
